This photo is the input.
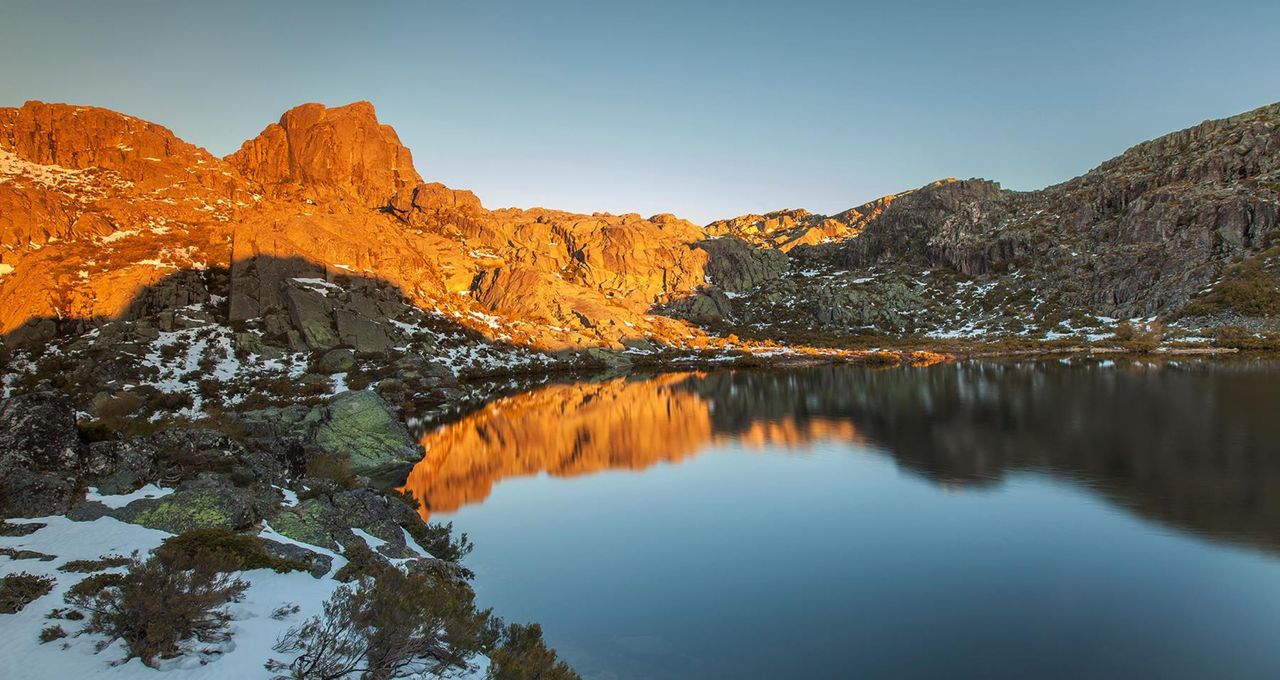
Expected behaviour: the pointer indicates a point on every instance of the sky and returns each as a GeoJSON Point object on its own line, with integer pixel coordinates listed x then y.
{"type": "Point", "coordinates": [704, 109]}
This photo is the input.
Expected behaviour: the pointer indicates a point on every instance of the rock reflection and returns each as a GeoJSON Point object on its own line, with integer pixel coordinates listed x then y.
{"type": "Point", "coordinates": [1196, 446]}
{"type": "Point", "coordinates": [576, 429]}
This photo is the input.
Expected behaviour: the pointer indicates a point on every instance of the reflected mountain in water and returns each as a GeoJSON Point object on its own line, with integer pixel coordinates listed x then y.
{"type": "Point", "coordinates": [567, 430]}
{"type": "Point", "coordinates": [1196, 446]}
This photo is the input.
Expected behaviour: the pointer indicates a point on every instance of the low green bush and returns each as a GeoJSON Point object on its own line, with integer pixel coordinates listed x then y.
{"type": "Point", "coordinates": [101, 564]}
{"type": "Point", "coordinates": [1250, 288]}
{"type": "Point", "coordinates": [1244, 339]}
{"type": "Point", "coordinates": [423, 623]}
{"type": "Point", "coordinates": [333, 467]}
{"type": "Point", "coordinates": [222, 550]}
{"type": "Point", "coordinates": [523, 654]}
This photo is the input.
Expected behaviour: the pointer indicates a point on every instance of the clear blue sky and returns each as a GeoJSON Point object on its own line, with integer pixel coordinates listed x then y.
{"type": "Point", "coordinates": [703, 109]}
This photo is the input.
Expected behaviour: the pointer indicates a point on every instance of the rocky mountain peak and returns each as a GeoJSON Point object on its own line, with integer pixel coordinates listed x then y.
{"type": "Point", "coordinates": [322, 153]}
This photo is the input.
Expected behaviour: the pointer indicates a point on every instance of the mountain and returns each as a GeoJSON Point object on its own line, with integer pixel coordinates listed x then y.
{"type": "Point", "coordinates": [1181, 226]}
{"type": "Point", "coordinates": [132, 260]}
{"type": "Point", "coordinates": [98, 208]}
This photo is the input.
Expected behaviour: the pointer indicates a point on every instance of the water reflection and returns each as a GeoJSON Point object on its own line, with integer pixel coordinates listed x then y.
{"type": "Point", "coordinates": [1193, 445]}
{"type": "Point", "coordinates": [577, 429]}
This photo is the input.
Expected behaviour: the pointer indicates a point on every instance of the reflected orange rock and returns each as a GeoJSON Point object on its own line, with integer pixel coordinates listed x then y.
{"type": "Point", "coordinates": [578, 429]}
{"type": "Point", "coordinates": [791, 432]}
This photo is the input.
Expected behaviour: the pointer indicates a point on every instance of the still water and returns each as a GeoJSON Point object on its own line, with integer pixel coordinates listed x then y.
{"type": "Point", "coordinates": [1004, 520]}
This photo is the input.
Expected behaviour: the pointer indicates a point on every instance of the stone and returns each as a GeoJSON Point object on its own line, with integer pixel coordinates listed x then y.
{"type": "Point", "coordinates": [40, 455]}
{"type": "Point", "coordinates": [365, 335]}
{"type": "Point", "coordinates": [224, 507]}
{"type": "Point", "coordinates": [327, 522]}
{"type": "Point", "coordinates": [318, 564]}
{"type": "Point", "coordinates": [312, 315]}
{"type": "Point", "coordinates": [337, 361]}
{"type": "Point", "coordinates": [121, 466]}
{"type": "Point", "coordinates": [708, 305]}
{"type": "Point", "coordinates": [359, 426]}
{"type": "Point", "coordinates": [610, 358]}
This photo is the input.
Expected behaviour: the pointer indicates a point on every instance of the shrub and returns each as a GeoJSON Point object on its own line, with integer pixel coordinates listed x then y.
{"type": "Point", "coordinates": [394, 624]}
{"type": "Point", "coordinates": [210, 388]}
{"type": "Point", "coordinates": [1244, 339]}
{"type": "Point", "coordinates": [438, 540]}
{"type": "Point", "coordinates": [1139, 338]}
{"type": "Point", "coordinates": [182, 462]}
{"type": "Point", "coordinates": [284, 611]}
{"type": "Point", "coordinates": [523, 655]}
{"type": "Point", "coordinates": [362, 562]}
{"type": "Point", "coordinates": [21, 589]}
{"type": "Point", "coordinates": [1250, 288]}
{"type": "Point", "coordinates": [1124, 332]}
{"type": "Point", "coordinates": [65, 613]}
{"type": "Point", "coordinates": [117, 407]}
{"type": "Point", "coordinates": [156, 607]}
{"type": "Point", "coordinates": [221, 550]}
{"type": "Point", "coordinates": [51, 633]}
{"type": "Point", "coordinates": [101, 564]}
{"type": "Point", "coordinates": [90, 586]}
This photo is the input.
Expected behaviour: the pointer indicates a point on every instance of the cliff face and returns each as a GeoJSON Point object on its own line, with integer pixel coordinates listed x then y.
{"type": "Point", "coordinates": [320, 153]}
{"type": "Point", "coordinates": [1138, 235]}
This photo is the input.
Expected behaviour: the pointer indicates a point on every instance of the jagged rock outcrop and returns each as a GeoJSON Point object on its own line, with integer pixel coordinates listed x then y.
{"type": "Point", "coordinates": [340, 153]}
{"type": "Point", "coordinates": [733, 265]}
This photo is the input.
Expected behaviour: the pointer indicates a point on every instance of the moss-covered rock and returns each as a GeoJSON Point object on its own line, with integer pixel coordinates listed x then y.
{"type": "Point", "coordinates": [199, 508]}
{"type": "Point", "coordinates": [361, 427]}
{"type": "Point", "coordinates": [308, 523]}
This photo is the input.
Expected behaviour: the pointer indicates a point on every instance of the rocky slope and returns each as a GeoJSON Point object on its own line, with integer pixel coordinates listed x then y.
{"type": "Point", "coordinates": [1139, 236]}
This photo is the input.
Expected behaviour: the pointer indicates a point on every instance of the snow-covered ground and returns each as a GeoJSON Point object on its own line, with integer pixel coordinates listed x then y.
{"type": "Point", "coordinates": [253, 631]}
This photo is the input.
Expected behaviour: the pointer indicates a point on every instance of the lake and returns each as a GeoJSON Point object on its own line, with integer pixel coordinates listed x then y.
{"type": "Point", "coordinates": [1048, 519]}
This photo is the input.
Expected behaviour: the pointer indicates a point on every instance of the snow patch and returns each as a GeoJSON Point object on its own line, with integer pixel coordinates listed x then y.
{"type": "Point", "coordinates": [120, 500]}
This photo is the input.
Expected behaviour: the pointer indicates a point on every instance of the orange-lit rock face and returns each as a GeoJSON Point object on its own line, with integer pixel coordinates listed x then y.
{"type": "Point", "coordinates": [325, 154]}
{"type": "Point", "coordinates": [577, 429]}
{"type": "Point", "coordinates": [96, 206]}
{"type": "Point", "coordinates": [787, 229]}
